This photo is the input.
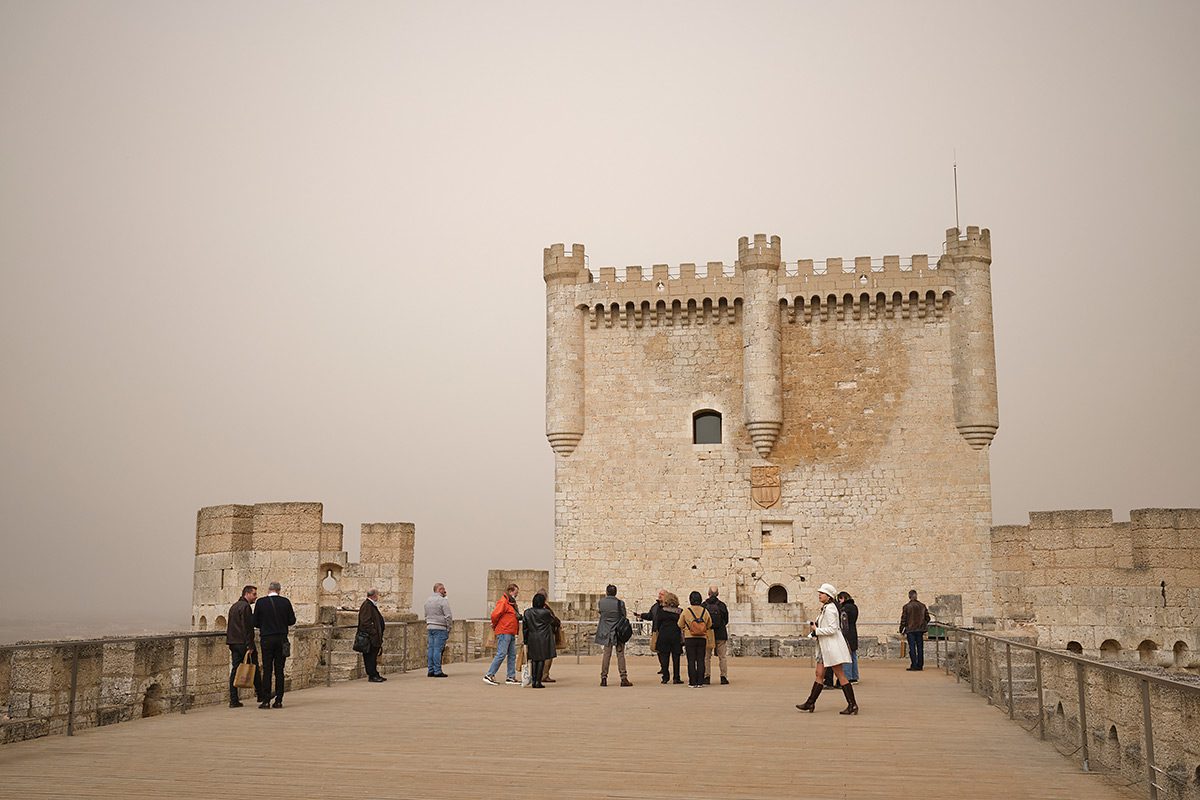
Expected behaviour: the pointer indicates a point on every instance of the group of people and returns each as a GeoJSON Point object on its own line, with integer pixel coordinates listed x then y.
{"type": "Point", "coordinates": [271, 616]}
{"type": "Point", "coordinates": [700, 629]}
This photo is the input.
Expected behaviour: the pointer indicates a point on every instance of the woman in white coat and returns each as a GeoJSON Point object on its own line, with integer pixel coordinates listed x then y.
{"type": "Point", "coordinates": [832, 651]}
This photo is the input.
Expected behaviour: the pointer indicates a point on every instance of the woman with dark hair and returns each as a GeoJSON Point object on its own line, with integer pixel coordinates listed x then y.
{"type": "Point", "coordinates": [849, 612]}
{"type": "Point", "coordinates": [670, 639]}
{"type": "Point", "coordinates": [539, 637]}
{"type": "Point", "coordinates": [696, 624]}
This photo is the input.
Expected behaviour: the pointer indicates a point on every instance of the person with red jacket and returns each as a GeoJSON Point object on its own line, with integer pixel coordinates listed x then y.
{"type": "Point", "coordinates": [505, 624]}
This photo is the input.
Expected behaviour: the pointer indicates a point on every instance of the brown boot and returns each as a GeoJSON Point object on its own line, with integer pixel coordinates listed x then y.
{"type": "Point", "coordinates": [852, 707]}
{"type": "Point", "coordinates": [625, 681]}
{"type": "Point", "coordinates": [811, 703]}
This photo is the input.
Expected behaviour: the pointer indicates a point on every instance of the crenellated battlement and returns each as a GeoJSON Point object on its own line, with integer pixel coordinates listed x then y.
{"type": "Point", "coordinates": [975, 245]}
{"type": "Point", "coordinates": [562, 266]}
{"type": "Point", "coordinates": [759, 253]}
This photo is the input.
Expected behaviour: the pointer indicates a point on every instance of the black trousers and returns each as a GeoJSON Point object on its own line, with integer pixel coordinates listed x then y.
{"type": "Point", "coordinates": [669, 656]}
{"type": "Point", "coordinates": [237, 654]}
{"type": "Point", "coordinates": [370, 659]}
{"type": "Point", "coordinates": [272, 665]}
{"type": "Point", "coordinates": [536, 669]}
{"type": "Point", "coordinates": [695, 656]}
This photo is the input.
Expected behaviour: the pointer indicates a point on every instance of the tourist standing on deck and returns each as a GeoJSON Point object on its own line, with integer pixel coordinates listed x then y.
{"type": "Point", "coordinates": [505, 624]}
{"type": "Point", "coordinates": [371, 624]}
{"type": "Point", "coordinates": [558, 640]}
{"type": "Point", "coordinates": [538, 634]}
{"type": "Point", "coordinates": [651, 616]}
{"type": "Point", "coordinates": [832, 651]}
{"type": "Point", "coordinates": [696, 624]}
{"type": "Point", "coordinates": [670, 638]}
{"type": "Point", "coordinates": [849, 618]}
{"type": "Point", "coordinates": [239, 636]}
{"type": "Point", "coordinates": [914, 620]}
{"type": "Point", "coordinates": [438, 621]}
{"type": "Point", "coordinates": [273, 615]}
{"type": "Point", "coordinates": [720, 639]}
{"type": "Point", "coordinates": [612, 610]}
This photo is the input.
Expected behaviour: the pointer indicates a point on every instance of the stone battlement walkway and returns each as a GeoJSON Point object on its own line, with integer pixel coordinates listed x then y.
{"type": "Point", "coordinates": [918, 735]}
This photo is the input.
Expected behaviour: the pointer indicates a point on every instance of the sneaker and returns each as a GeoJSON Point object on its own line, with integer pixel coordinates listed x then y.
{"type": "Point", "coordinates": [724, 681]}
{"type": "Point", "coordinates": [707, 680]}
{"type": "Point", "coordinates": [513, 681]}
{"type": "Point", "coordinates": [489, 679]}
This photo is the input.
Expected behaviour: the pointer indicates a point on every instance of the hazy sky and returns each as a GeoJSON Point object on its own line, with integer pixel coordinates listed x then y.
{"type": "Point", "coordinates": [292, 251]}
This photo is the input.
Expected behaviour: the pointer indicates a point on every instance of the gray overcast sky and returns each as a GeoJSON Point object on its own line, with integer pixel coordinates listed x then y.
{"type": "Point", "coordinates": [292, 251]}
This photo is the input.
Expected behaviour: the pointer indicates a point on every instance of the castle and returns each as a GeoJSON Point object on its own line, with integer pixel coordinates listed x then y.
{"type": "Point", "coordinates": [772, 425]}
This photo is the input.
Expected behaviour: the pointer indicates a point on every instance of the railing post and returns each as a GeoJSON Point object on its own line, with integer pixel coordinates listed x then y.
{"type": "Point", "coordinates": [971, 660]}
{"type": "Point", "coordinates": [74, 688]}
{"type": "Point", "coordinates": [404, 650]}
{"type": "Point", "coordinates": [1083, 734]}
{"type": "Point", "coordinates": [466, 641]}
{"type": "Point", "coordinates": [1148, 729]}
{"type": "Point", "coordinates": [1037, 670]}
{"type": "Point", "coordinates": [958, 656]}
{"type": "Point", "coordinates": [576, 627]}
{"type": "Point", "coordinates": [937, 649]}
{"type": "Point", "coordinates": [187, 641]}
{"type": "Point", "coordinates": [1008, 661]}
{"type": "Point", "coordinates": [329, 656]}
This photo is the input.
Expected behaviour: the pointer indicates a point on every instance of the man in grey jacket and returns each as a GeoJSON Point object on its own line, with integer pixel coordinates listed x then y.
{"type": "Point", "coordinates": [438, 621]}
{"type": "Point", "coordinates": [611, 609]}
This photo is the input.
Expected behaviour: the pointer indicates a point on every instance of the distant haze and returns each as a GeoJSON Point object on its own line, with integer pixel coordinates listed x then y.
{"type": "Point", "coordinates": [292, 251]}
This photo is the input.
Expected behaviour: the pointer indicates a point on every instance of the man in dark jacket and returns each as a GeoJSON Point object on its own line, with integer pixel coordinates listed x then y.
{"type": "Point", "coordinates": [914, 619]}
{"type": "Point", "coordinates": [370, 622]}
{"type": "Point", "coordinates": [272, 616]}
{"type": "Point", "coordinates": [239, 635]}
{"type": "Point", "coordinates": [849, 620]}
{"type": "Point", "coordinates": [720, 616]}
{"type": "Point", "coordinates": [651, 616]}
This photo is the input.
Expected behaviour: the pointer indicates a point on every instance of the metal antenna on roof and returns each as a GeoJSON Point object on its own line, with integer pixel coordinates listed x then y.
{"type": "Point", "coordinates": [956, 190]}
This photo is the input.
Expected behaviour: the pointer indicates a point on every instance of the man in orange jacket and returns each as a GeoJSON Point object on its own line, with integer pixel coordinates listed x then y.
{"type": "Point", "coordinates": [505, 624]}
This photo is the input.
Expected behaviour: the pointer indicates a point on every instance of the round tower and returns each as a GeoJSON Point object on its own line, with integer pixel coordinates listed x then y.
{"type": "Point", "coordinates": [759, 262]}
{"type": "Point", "coordinates": [563, 271]}
{"type": "Point", "coordinates": [976, 410]}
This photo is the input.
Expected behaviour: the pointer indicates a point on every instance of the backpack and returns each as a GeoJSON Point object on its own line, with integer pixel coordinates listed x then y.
{"type": "Point", "coordinates": [622, 631]}
{"type": "Point", "coordinates": [696, 625]}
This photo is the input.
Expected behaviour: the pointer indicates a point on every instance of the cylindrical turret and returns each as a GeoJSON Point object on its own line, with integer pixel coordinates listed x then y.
{"type": "Point", "coordinates": [976, 410]}
{"type": "Point", "coordinates": [759, 262]}
{"type": "Point", "coordinates": [564, 347]}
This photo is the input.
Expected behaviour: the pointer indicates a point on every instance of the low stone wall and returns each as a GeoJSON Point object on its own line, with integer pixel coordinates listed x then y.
{"type": "Point", "coordinates": [1113, 707]}
{"type": "Point", "coordinates": [128, 679]}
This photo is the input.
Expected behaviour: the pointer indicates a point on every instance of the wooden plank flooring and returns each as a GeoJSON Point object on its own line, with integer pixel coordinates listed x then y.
{"type": "Point", "coordinates": [919, 735]}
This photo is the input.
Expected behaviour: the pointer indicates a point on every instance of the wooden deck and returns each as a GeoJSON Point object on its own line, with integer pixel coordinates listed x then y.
{"type": "Point", "coordinates": [918, 735]}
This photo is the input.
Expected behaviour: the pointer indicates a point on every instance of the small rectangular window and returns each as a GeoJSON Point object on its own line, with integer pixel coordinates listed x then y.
{"type": "Point", "coordinates": [706, 427]}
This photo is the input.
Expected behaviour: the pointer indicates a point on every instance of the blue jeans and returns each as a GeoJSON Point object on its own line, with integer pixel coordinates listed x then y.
{"type": "Point", "coordinates": [506, 645]}
{"type": "Point", "coordinates": [916, 649]}
{"type": "Point", "coordinates": [851, 670]}
{"type": "Point", "coordinates": [433, 656]}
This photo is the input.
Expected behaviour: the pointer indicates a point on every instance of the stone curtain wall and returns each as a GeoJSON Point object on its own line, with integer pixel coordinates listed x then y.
{"type": "Point", "coordinates": [1115, 733]}
{"type": "Point", "coordinates": [880, 492]}
{"type": "Point", "coordinates": [291, 543]}
{"type": "Point", "coordinates": [1097, 586]}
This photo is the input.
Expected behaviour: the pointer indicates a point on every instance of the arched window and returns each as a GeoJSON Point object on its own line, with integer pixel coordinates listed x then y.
{"type": "Point", "coordinates": [777, 594]}
{"type": "Point", "coordinates": [706, 427]}
{"type": "Point", "coordinates": [1075, 647]}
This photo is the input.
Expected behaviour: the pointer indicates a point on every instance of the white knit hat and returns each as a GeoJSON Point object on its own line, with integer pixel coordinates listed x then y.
{"type": "Point", "coordinates": [827, 588]}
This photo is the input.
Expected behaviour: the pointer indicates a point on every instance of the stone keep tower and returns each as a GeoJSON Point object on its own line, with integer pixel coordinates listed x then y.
{"type": "Point", "coordinates": [855, 403]}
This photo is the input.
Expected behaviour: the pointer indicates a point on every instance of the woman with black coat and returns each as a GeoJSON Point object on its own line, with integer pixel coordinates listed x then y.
{"type": "Point", "coordinates": [539, 637]}
{"type": "Point", "coordinates": [849, 619]}
{"type": "Point", "coordinates": [670, 638]}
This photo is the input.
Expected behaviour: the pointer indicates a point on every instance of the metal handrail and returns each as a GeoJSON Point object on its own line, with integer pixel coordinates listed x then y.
{"type": "Point", "coordinates": [1082, 665]}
